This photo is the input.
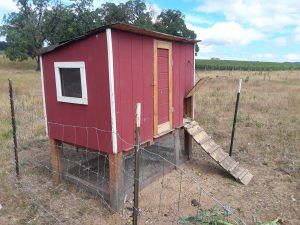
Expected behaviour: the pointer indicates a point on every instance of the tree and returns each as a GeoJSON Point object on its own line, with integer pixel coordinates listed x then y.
{"type": "Point", "coordinates": [74, 20]}
{"type": "Point", "coordinates": [112, 13]}
{"type": "Point", "coordinates": [172, 22]}
{"type": "Point", "coordinates": [3, 45]}
{"type": "Point", "coordinates": [131, 12]}
{"type": "Point", "coordinates": [25, 30]}
{"type": "Point", "coordinates": [138, 14]}
{"type": "Point", "coordinates": [47, 22]}
{"type": "Point", "coordinates": [40, 22]}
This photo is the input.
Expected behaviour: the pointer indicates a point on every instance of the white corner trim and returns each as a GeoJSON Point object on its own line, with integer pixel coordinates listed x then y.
{"type": "Point", "coordinates": [194, 82]}
{"type": "Point", "coordinates": [81, 65]}
{"type": "Point", "coordinates": [112, 90]}
{"type": "Point", "coordinates": [43, 93]}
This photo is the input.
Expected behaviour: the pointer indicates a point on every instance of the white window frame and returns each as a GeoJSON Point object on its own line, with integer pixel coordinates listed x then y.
{"type": "Point", "coordinates": [60, 98]}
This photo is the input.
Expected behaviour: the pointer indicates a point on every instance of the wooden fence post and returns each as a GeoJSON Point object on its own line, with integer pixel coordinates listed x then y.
{"type": "Point", "coordinates": [137, 165]}
{"type": "Point", "coordinates": [56, 160]}
{"type": "Point", "coordinates": [176, 137]}
{"type": "Point", "coordinates": [116, 180]}
{"type": "Point", "coordinates": [188, 144]}
{"type": "Point", "coordinates": [14, 128]}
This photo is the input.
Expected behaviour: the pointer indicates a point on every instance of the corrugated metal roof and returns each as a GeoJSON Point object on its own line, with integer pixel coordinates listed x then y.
{"type": "Point", "coordinates": [123, 27]}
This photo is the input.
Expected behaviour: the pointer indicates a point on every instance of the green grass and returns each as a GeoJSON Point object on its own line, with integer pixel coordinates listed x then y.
{"type": "Point", "coordinates": [208, 64]}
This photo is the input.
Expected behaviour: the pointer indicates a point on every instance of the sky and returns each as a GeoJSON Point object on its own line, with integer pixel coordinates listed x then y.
{"type": "Point", "coordinates": [258, 30]}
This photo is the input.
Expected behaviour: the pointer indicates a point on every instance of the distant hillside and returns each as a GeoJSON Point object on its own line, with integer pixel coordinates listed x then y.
{"type": "Point", "coordinates": [216, 64]}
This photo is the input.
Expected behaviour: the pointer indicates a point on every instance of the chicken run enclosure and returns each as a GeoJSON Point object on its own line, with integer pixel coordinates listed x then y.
{"type": "Point", "coordinates": [91, 86]}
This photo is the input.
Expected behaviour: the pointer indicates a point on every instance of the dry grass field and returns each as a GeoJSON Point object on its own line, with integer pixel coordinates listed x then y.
{"type": "Point", "coordinates": [267, 143]}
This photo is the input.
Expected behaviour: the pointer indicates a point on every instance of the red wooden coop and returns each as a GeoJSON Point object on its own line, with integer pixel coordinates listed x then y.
{"type": "Point", "coordinates": [92, 83]}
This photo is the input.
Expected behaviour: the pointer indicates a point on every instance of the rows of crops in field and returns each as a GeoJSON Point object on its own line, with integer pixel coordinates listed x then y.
{"type": "Point", "coordinates": [210, 64]}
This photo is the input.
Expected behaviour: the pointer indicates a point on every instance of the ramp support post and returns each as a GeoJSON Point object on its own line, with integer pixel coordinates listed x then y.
{"type": "Point", "coordinates": [188, 144]}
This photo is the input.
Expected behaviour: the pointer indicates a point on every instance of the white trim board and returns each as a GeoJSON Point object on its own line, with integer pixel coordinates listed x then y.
{"type": "Point", "coordinates": [81, 65]}
{"type": "Point", "coordinates": [194, 82]}
{"type": "Point", "coordinates": [43, 92]}
{"type": "Point", "coordinates": [112, 90]}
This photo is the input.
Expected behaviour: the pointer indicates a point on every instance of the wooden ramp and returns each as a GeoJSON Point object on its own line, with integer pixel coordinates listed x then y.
{"type": "Point", "coordinates": [216, 152]}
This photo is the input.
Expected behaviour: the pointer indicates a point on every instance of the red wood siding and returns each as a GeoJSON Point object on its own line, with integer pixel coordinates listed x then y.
{"type": "Point", "coordinates": [183, 78]}
{"type": "Point", "coordinates": [90, 125]}
{"type": "Point", "coordinates": [163, 85]}
{"type": "Point", "coordinates": [68, 122]}
{"type": "Point", "coordinates": [133, 71]}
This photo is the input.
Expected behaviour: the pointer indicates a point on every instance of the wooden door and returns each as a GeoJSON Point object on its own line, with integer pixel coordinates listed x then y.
{"type": "Point", "coordinates": [162, 87]}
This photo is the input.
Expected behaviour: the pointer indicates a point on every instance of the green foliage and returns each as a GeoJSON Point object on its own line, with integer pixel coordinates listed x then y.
{"type": "Point", "coordinates": [3, 45]}
{"type": "Point", "coordinates": [112, 13]}
{"type": "Point", "coordinates": [208, 217]}
{"type": "Point", "coordinates": [172, 22]}
{"type": "Point", "coordinates": [239, 118]}
{"type": "Point", "coordinates": [273, 222]}
{"type": "Point", "coordinates": [55, 192]}
{"type": "Point", "coordinates": [40, 22]}
{"type": "Point", "coordinates": [132, 12]}
{"type": "Point", "coordinates": [216, 93]}
{"type": "Point", "coordinates": [44, 21]}
{"type": "Point", "coordinates": [216, 64]}
{"type": "Point", "coordinates": [71, 21]}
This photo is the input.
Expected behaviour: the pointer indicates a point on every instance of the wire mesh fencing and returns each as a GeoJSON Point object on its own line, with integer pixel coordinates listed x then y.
{"type": "Point", "coordinates": [83, 195]}
{"type": "Point", "coordinates": [177, 197]}
{"type": "Point", "coordinates": [169, 194]}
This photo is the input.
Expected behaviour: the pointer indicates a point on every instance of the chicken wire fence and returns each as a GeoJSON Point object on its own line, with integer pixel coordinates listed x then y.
{"type": "Point", "coordinates": [169, 194]}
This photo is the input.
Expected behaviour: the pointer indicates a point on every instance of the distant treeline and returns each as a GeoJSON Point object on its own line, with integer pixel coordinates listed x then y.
{"type": "Point", "coordinates": [211, 64]}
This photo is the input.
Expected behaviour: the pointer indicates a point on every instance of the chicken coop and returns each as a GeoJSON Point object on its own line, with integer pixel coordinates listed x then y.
{"type": "Point", "coordinates": [92, 83]}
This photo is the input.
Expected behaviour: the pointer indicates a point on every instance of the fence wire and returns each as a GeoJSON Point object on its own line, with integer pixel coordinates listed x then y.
{"type": "Point", "coordinates": [169, 195]}
{"type": "Point", "coordinates": [86, 184]}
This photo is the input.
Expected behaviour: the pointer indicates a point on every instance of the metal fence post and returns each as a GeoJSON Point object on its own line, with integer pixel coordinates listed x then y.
{"type": "Point", "coordinates": [235, 116]}
{"type": "Point", "coordinates": [137, 165]}
{"type": "Point", "coordinates": [14, 128]}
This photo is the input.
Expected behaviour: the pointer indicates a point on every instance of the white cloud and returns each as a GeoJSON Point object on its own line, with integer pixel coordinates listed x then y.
{"type": "Point", "coordinates": [8, 5]}
{"type": "Point", "coordinates": [297, 33]}
{"type": "Point", "coordinates": [265, 56]}
{"type": "Point", "coordinates": [190, 18]}
{"type": "Point", "coordinates": [265, 15]}
{"type": "Point", "coordinates": [154, 10]}
{"type": "Point", "coordinates": [226, 33]}
{"type": "Point", "coordinates": [281, 41]}
{"type": "Point", "coordinates": [292, 57]}
{"type": "Point", "coordinates": [205, 48]}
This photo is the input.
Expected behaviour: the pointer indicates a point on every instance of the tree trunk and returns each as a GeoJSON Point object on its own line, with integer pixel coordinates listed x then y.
{"type": "Point", "coordinates": [38, 66]}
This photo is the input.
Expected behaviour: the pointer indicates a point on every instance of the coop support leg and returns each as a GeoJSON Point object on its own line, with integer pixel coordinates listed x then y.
{"type": "Point", "coordinates": [188, 144]}
{"type": "Point", "coordinates": [176, 146]}
{"type": "Point", "coordinates": [116, 180]}
{"type": "Point", "coordinates": [56, 160]}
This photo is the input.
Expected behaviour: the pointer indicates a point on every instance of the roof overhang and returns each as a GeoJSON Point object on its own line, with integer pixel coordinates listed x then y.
{"type": "Point", "coordinates": [122, 27]}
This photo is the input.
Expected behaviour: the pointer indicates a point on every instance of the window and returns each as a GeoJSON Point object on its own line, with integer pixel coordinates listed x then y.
{"type": "Point", "coordinates": [71, 82]}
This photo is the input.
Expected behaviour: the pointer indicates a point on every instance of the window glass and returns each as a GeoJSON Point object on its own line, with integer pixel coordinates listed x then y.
{"type": "Point", "coordinates": [70, 82]}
